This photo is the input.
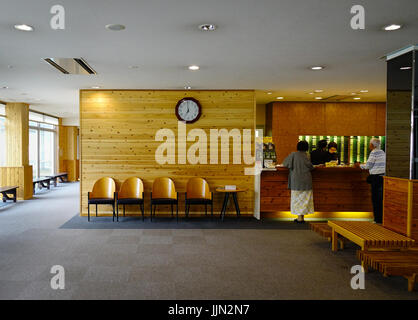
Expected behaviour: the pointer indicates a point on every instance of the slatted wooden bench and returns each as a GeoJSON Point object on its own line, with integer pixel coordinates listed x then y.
{"type": "Point", "coordinates": [369, 236]}
{"type": "Point", "coordinates": [392, 263]}
{"type": "Point", "coordinates": [324, 230]}
{"type": "Point", "coordinates": [5, 191]}
{"type": "Point", "coordinates": [42, 182]}
{"type": "Point", "coordinates": [63, 176]}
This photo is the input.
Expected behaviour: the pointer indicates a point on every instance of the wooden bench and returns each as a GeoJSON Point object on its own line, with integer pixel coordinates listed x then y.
{"type": "Point", "coordinates": [42, 182]}
{"type": "Point", "coordinates": [324, 230]}
{"type": "Point", "coordinates": [63, 176]}
{"type": "Point", "coordinates": [369, 236]}
{"type": "Point", "coordinates": [5, 191]}
{"type": "Point", "coordinates": [392, 263]}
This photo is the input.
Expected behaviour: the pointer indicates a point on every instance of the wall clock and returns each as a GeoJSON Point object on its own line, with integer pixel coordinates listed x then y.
{"type": "Point", "coordinates": [188, 110]}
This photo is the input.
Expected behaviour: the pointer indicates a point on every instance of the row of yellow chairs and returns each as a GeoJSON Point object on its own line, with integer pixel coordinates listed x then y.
{"type": "Point", "coordinates": [163, 192]}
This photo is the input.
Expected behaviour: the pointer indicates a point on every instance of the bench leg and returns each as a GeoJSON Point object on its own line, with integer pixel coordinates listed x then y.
{"type": "Point", "coordinates": [341, 244]}
{"type": "Point", "coordinates": [411, 282]}
{"type": "Point", "coordinates": [364, 266]}
{"type": "Point", "coordinates": [334, 240]}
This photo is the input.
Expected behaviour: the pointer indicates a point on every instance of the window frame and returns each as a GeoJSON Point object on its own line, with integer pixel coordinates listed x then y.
{"type": "Point", "coordinates": [38, 129]}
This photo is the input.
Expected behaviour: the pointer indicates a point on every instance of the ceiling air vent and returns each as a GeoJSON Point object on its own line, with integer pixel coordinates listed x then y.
{"type": "Point", "coordinates": [71, 65]}
{"type": "Point", "coordinates": [337, 98]}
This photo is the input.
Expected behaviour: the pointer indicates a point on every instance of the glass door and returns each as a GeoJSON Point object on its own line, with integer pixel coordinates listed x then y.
{"type": "Point", "coordinates": [33, 151]}
{"type": "Point", "coordinates": [46, 153]}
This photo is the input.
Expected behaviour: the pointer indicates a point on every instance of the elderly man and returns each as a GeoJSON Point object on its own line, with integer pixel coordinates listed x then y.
{"type": "Point", "coordinates": [376, 165]}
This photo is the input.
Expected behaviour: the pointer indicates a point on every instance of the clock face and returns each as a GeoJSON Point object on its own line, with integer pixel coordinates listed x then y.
{"type": "Point", "coordinates": [188, 110]}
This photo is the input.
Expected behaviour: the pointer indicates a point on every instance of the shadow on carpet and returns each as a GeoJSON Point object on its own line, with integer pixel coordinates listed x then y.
{"type": "Point", "coordinates": [78, 222]}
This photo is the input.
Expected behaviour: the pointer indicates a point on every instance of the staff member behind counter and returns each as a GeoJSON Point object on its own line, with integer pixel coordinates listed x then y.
{"type": "Point", "coordinates": [320, 154]}
{"type": "Point", "coordinates": [333, 152]}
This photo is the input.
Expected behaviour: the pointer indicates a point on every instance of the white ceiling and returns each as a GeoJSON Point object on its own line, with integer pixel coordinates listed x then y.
{"type": "Point", "coordinates": [260, 44]}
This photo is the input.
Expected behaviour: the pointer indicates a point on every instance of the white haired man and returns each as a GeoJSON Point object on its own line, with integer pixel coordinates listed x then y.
{"type": "Point", "coordinates": [376, 164]}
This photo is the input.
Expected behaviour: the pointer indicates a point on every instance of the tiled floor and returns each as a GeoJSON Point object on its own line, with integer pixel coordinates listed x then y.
{"type": "Point", "coordinates": [170, 263]}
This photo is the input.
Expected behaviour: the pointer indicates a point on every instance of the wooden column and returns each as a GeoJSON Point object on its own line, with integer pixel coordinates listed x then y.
{"type": "Point", "coordinates": [68, 151]}
{"type": "Point", "coordinates": [18, 171]}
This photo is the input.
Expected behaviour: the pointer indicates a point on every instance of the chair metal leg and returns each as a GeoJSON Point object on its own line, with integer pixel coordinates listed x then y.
{"type": "Point", "coordinates": [113, 217]}
{"type": "Point", "coordinates": [177, 211]}
{"type": "Point", "coordinates": [141, 206]}
{"type": "Point", "coordinates": [117, 212]}
{"type": "Point", "coordinates": [88, 211]}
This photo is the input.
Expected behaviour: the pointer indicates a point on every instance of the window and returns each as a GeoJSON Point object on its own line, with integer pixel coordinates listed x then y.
{"type": "Point", "coordinates": [2, 135]}
{"type": "Point", "coordinates": [42, 144]}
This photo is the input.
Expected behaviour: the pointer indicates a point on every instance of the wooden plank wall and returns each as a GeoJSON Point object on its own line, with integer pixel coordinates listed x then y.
{"type": "Point", "coordinates": [398, 133]}
{"type": "Point", "coordinates": [17, 134]}
{"type": "Point", "coordinates": [18, 172]}
{"type": "Point", "coordinates": [68, 151]}
{"type": "Point", "coordinates": [18, 176]}
{"type": "Point", "coordinates": [288, 120]}
{"type": "Point", "coordinates": [117, 137]}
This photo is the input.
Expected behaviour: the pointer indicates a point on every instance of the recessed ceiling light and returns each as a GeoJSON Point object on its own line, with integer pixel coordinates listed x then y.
{"type": "Point", "coordinates": [207, 27]}
{"type": "Point", "coordinates": [318, 98]}
{"type": "Point", "coordinates": [279, 98]}
{"type": "Point", "coordinates": [95, 87]}
{"type": "Point", "coordinates": [194, 68]}
{"type": "Point", "coordinates": [115, 27]}
{"type": "Point", "coordinates": [317, 68]}
{"type": "Point", "coordinates": [364, 91]}
{"type": "Point", "coordinates": [356, 98]}
{"type": "Point", "coordinates": [23, 27]}
{"type": "Point", "coordinates": [187, 87]}
{"type": "Point", "coordinates": [392, 27]}
{"type": "Point", "coordinates": [269, 92]}
{"type": "Point", "coordinates": [5, 87]}
{"type": "Point", "coordinates": [319, 90]}
{"type": "Point", "coordinates": [311, 92]}
{"type": "Point", "coordinates": [405, 68]}
{"type": "Point", "coordinates": [353, 93]}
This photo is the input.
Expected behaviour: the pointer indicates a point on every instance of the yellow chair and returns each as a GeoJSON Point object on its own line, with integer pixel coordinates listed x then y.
{"type": "Point", "coordinates": [103, 193]}
{"type": "Point", "coordinates": [131, 192]}
{"type": "Point", "coordinates": [164, 192]}
{"type": "Point", "coordinates": [198, 192]}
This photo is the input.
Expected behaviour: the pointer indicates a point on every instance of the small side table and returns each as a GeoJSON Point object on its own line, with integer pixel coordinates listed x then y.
{"type": "Point", "coordinates": [226, 200]}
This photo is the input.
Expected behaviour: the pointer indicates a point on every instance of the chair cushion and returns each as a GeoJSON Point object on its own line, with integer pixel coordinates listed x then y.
{"type": "Point", "coordinates": [101, 201]}
{"type": "Point", "coordinates": [198, 201]}
{"type": "Point", "coordinates": [164, 201]}
{"type": "Point", "coordinates": [130, 201]}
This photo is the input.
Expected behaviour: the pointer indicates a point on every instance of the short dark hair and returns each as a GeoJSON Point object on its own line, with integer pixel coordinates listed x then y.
{"type": "Point", "coordinates": [332, 144]}
{"type": "Point", "coordinates": [321, 144]}
{"type": "Point", "coordinates": [302, 146]}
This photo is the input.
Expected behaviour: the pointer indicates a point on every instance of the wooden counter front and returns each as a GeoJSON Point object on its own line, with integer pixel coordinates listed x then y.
{"type": "Point", "coordinates": [335, 189]}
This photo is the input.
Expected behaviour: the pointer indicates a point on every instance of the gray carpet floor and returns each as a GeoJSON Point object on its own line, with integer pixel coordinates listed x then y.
{"type": "Point", "coordinates": [170, 263]}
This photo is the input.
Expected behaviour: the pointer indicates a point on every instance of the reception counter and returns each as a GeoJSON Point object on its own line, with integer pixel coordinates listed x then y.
{"type": "Point", "coordinates": [339, 192]}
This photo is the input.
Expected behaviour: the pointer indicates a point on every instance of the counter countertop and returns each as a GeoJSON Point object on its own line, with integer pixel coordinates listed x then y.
{"type": "Point", "coordinates": [328, 169]}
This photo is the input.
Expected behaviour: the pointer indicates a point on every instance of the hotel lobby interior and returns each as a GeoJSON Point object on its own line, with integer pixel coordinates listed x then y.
{"type": "Point", "coordinates": [144, 150]}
